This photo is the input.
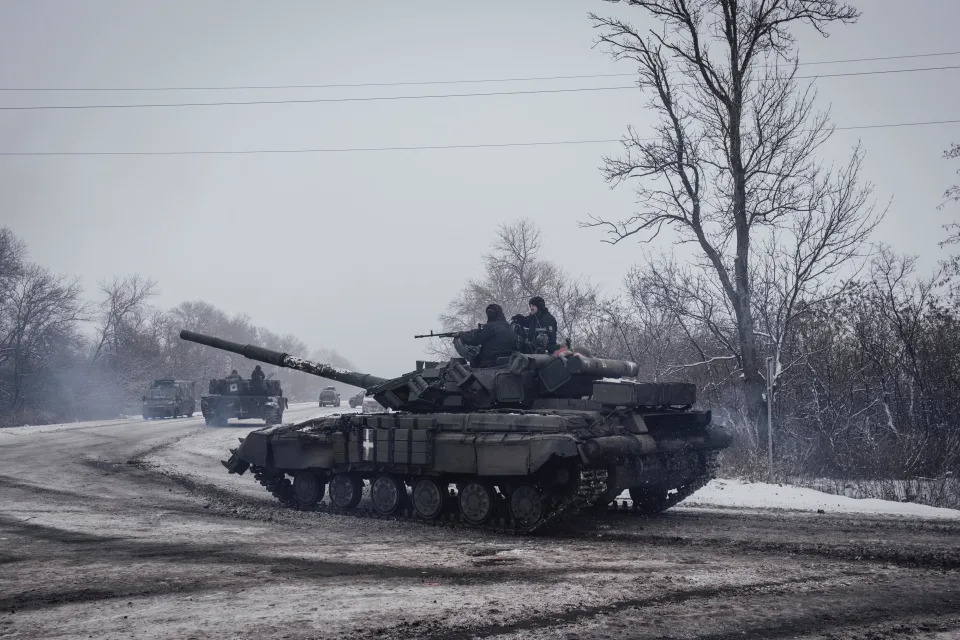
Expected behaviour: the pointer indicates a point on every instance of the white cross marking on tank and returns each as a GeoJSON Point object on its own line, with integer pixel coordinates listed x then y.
{"type": "Point", "coordinates": [367, 448]}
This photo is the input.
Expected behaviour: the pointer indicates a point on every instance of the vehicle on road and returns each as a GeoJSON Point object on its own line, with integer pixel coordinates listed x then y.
{"type": "Point", "coordinates": [372, 406]}
{"type": "Point", "coordinates": [238, 398]}
{"type": "Point", "coordinates": [526, 443]}
{"type": "Point", "coordinates": [330, 396]}
{"type": "Point", "coordinates": [168, 398]}
{"type": "Point", "coordinates": [357, 400]}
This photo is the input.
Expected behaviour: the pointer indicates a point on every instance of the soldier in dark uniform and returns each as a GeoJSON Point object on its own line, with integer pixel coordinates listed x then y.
{"type": "Point", "coordinates": [496, 339]}
{"type": "Point", "coordinates": [540, 324]}
{"type": "Point", "coordinates": [234, 376]}
{"type": "Point", "coordinates": [256, 378]}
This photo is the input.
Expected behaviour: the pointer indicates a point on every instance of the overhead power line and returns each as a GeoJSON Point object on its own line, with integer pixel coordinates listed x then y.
{"type": "Point", "coordinates": [416, 97]}
{"type": "Point", "coordinates": [492, 145]}
{"type": "Point", "coordinates": [434, 82]}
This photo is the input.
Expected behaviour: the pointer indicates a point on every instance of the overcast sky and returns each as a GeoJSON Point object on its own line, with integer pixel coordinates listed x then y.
{"type": "Point", "coordinates": [359, 251]}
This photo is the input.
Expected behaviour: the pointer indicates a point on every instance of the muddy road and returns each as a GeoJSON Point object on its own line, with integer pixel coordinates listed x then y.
{"type": "Point", "coordinates": [132, 529]}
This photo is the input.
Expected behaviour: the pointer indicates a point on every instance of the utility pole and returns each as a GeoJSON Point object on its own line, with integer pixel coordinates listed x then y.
{"type": "Point", "coordinates": [771, 372]}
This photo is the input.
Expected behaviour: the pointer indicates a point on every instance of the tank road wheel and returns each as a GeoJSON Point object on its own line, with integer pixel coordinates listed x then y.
{"type": "Point", "coordinates": [428, 498]}
{"type": "Point", "coordinates": [307, 488]}
{"type": "Point", "coordinates": [527, 505]}
{"type": "Point", "coordinates": [650, 500]}
{"type": "Point", "coordinates": [476, 502]}
{"type": "Point", "coordinates": [609, 495]}
{"type": "Point", "coordinates": [387, 493]}
{"type": "Point", "coordinates": [345, 490]}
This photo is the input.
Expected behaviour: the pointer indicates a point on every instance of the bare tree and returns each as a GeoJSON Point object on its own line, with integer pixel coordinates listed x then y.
{"type": "Point", "coordinates": [124, 303]}
{"type": "Point", "coordinates": [12, 254]}
{"type": "Point", "coordinates": [952, 195]}
{"type": "Point", "coordinates": [42, 311]}
{"type": "Point", "coordinates": [515, 271]}
{"type": "Point", "coordinates": [735, 148]}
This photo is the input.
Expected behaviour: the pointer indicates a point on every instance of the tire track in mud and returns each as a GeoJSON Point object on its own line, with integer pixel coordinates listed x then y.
{"type": "Point", "coordinates": [139, 458]}
{"type": "Point", "coordinates": [855, 627]}
{"type": "Point", "coordinates": [52, 534]}
{"type": "Point", "coordinates": [926, 557]}
{"type": "Point", "coordinates": [834, 613]}
{"type": "Point", "coordinates": [580, 621]}
{"type": "Point", "coordinates": [744, 518]}
{"type": "Point", "coordinates": [34, 599]}
{"type": "Point", "coordinates": [580, 613]}
{"type": "Point", "coordinates": [29, 487]}
{"type": "Point", "coordinates": [119, 549]}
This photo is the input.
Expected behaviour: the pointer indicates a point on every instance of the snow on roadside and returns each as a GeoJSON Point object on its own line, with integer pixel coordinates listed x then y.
{"type": "Point", "coordinates": [761, 495]}
{"type": "Point", "coordinates": [48, 428]}
{"type": "Point", "coordinates": [121, 421]}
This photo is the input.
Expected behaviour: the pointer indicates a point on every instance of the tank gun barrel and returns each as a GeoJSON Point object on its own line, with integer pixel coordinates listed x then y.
{"type": "Point", "coordinates": [279, 359]}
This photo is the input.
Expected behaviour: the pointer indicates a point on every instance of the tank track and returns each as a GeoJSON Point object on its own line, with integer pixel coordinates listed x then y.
{"type": "Point", "coordinates": [710, 467]}
{"type": "Point", "coordinates": [593, 482]}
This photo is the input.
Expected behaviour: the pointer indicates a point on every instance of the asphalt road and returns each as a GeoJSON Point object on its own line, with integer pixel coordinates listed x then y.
{"type": "Point", "coordinates": [132, 529]}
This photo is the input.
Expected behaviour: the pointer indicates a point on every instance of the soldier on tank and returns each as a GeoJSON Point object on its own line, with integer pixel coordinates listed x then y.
{"type": "Point", "coordinates": [495, 339]}
{"type": "Point", "coordinates": [257, 378]}
{"type": "Point", "coordinates": [539, 326]}
{"type": "Point", "coordinates": [234, 376]}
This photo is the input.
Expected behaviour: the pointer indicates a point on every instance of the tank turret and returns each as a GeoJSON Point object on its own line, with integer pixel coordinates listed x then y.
{"type": "Point", "coordinates": [523, 381]}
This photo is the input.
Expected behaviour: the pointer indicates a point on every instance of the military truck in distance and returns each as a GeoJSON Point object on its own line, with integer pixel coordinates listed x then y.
{"type": "Point", "coordinates": [169, 398]}
{"type": "Point", "coordinates": [238, 398]}
{"type": "Point", "coordinates": [526, 443]}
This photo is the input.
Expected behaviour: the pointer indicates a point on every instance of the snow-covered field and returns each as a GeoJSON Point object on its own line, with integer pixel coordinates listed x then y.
{"type": "Point", "coordinates": [733, 493]}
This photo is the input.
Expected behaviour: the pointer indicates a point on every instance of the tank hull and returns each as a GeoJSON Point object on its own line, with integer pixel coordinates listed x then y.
{"type": "Point", "coordinates": [219, 409]}
{"type": "Point", "coordinates": [533, 468]}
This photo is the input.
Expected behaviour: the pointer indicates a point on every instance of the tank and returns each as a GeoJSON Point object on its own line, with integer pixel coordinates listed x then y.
{"type": "Point", "coordinates": [234, 397]}
{"type": "Point", "coordinates": [516, 447]}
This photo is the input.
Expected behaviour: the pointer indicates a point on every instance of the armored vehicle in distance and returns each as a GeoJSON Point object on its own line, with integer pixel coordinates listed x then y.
{"type": "Point", "coordinates": [234, 397]}
{"type": "Point", "coordinates": [526, 443]}
{"type": "Point", "coordinates": [169, 398]}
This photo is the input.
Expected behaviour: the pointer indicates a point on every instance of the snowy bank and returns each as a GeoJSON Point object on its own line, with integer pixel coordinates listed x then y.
{"type": "Point", "coordinates": [760, 495]}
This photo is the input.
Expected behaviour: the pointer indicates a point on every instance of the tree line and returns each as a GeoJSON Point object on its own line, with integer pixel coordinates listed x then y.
{"type": "Point", "coordinates": [775, 254]}
{"type": "Point", "coordinates": [65, 358]}
{"type": "Point", "coordinates": [868, 377]}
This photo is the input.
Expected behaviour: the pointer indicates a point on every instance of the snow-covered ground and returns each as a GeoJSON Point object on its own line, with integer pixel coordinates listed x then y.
{"type": "Point", "coordinates": [294, 412]}
{"type": "Point", "coordinates": [760, 495]}
{"type": "Point", "coordinates": [134, 529]}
